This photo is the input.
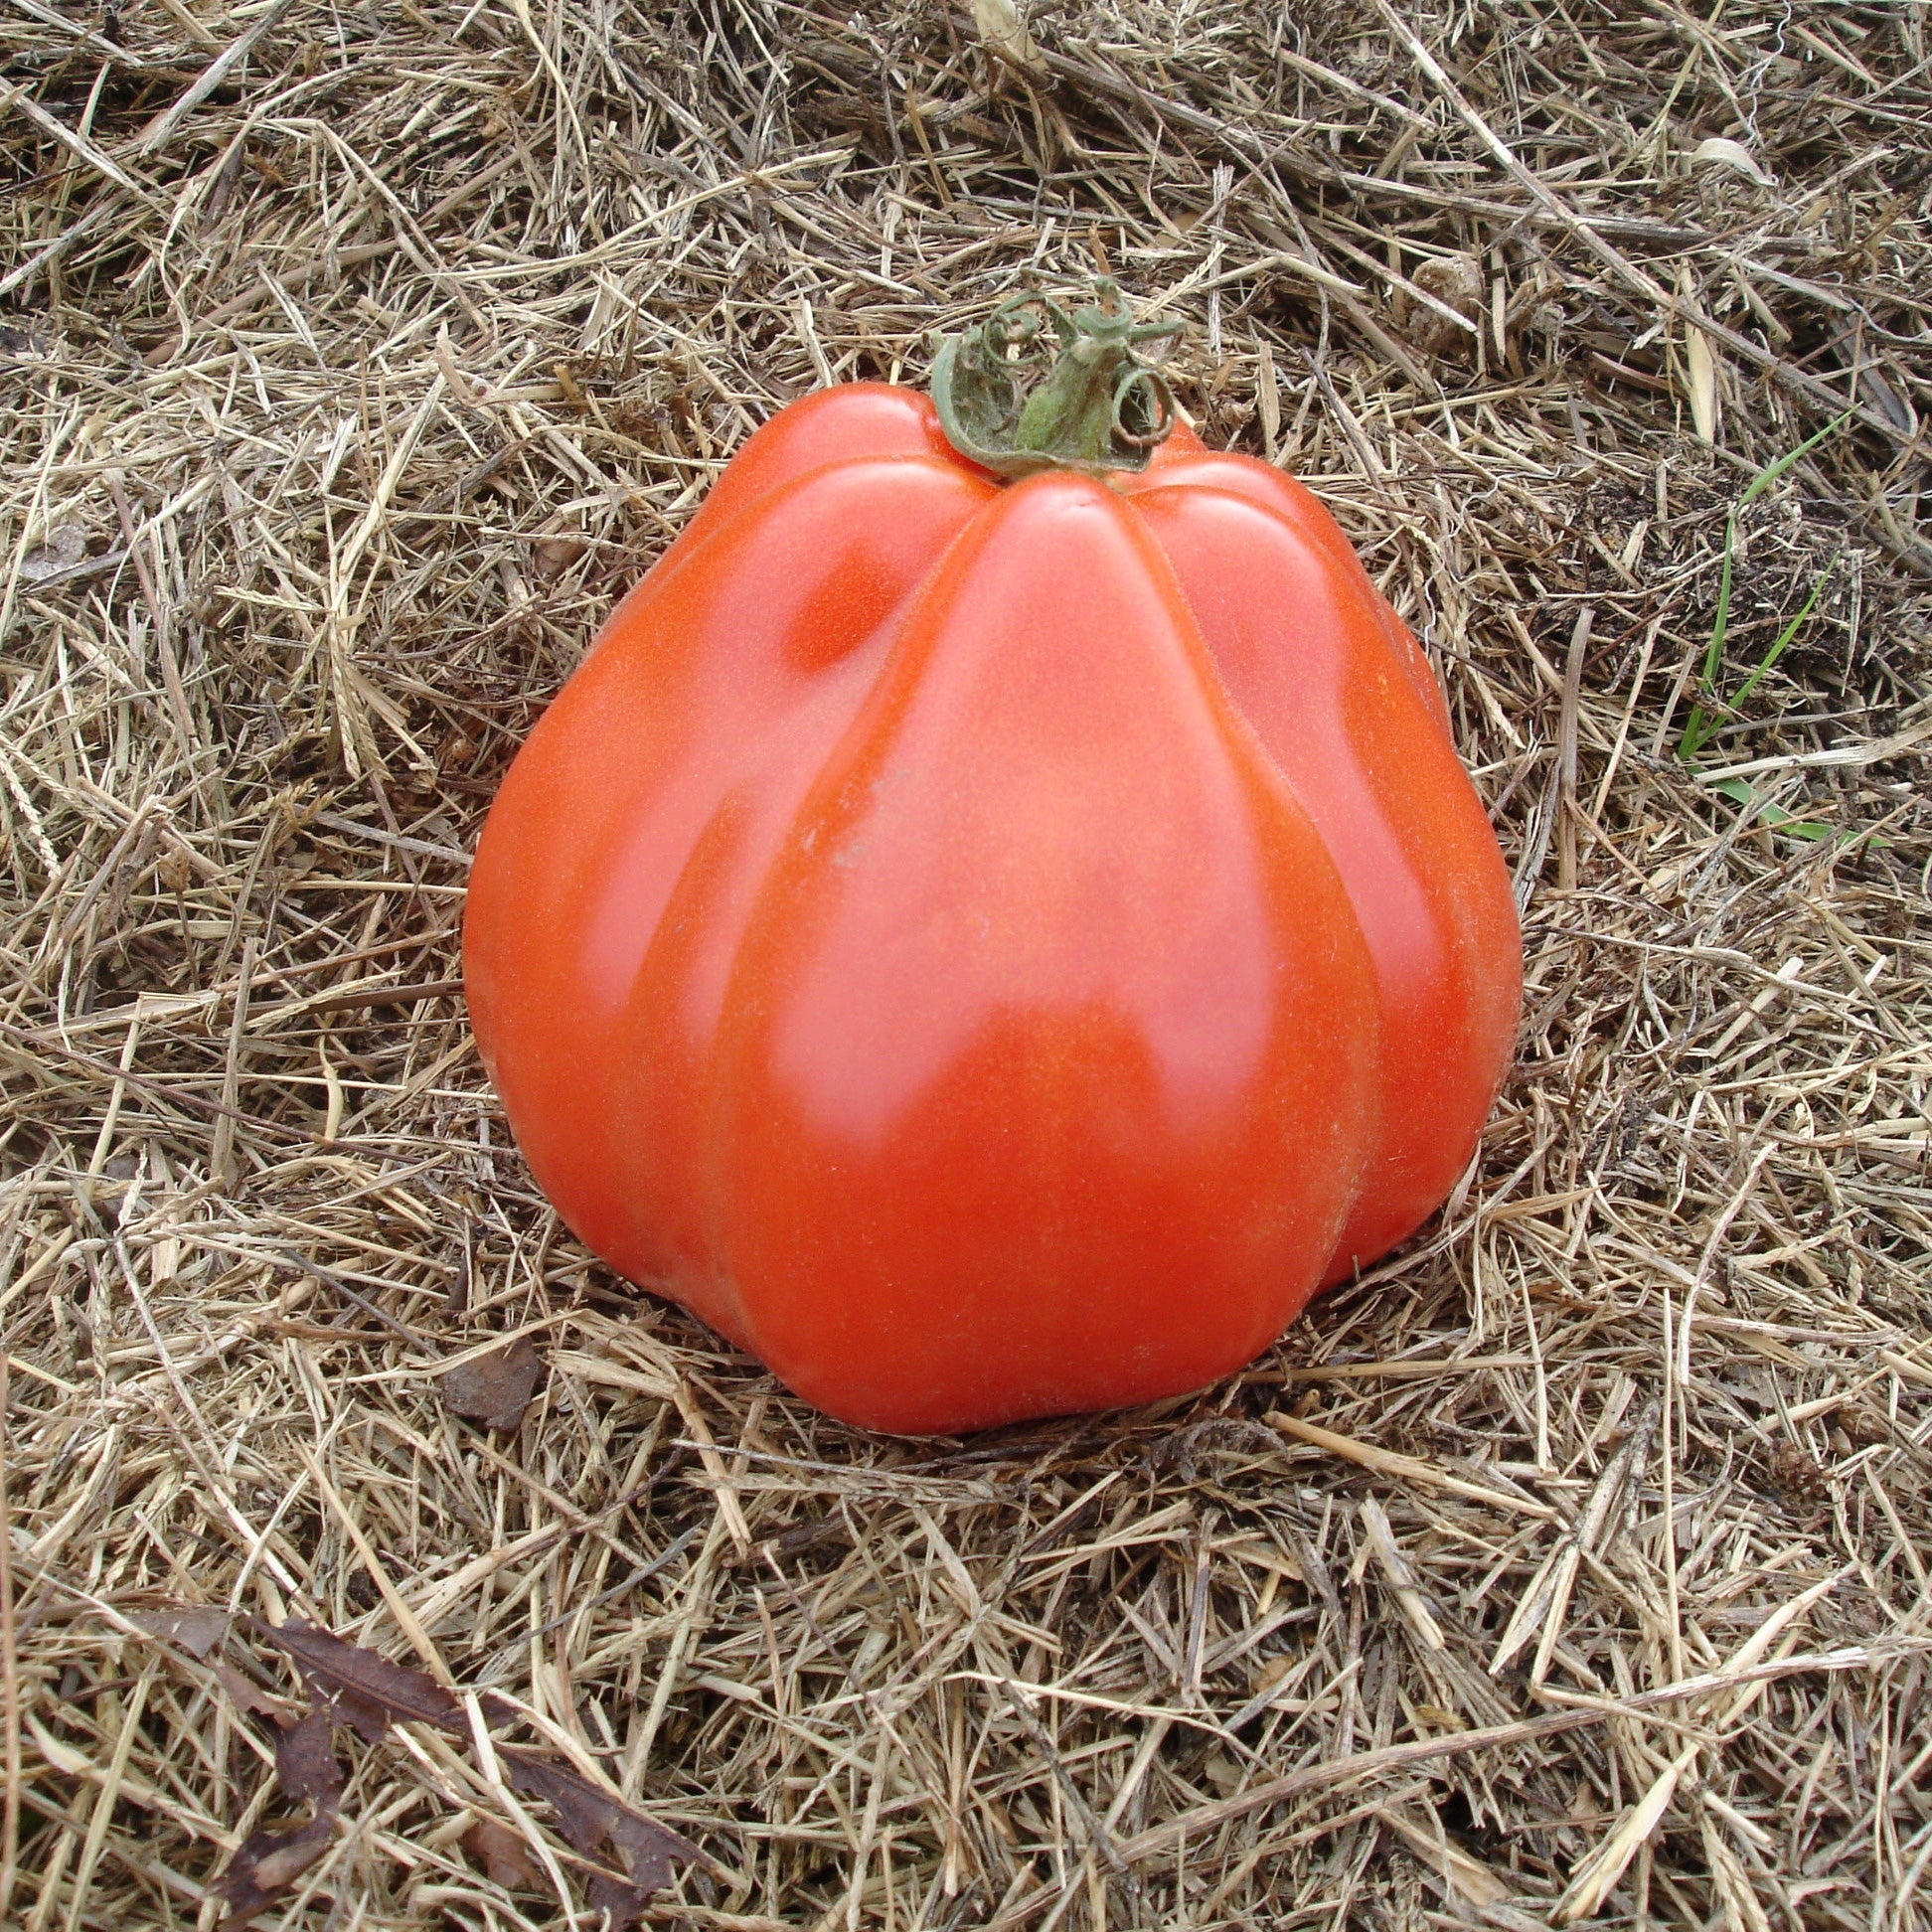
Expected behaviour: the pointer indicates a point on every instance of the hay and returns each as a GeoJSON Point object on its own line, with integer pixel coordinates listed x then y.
{"type": "Point", "coordinates": [356, 357]}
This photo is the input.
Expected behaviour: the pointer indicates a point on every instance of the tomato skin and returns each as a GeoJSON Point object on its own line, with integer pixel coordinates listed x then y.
{"type": "Point", "coordinates": [993, 951]}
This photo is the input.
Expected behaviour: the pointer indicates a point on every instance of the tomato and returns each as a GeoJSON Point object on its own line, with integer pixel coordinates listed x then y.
{"type": "Point", "coordinates": [994, 947]}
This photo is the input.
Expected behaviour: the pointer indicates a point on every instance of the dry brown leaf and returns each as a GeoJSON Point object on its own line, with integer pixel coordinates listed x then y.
{"type": "Point", "coordinates": [365, 1692]}
{"type": "Point", "coordinates": [550, 557]}
{"type": "Point", "coordinates": [1453, 279]}
{"type": "Point", "coordinates": [246, 1695]}
{"type": "Point", "coordinates": [305, 1761]}
{"type": "Point", "coordinates": [1799, 1474]}
{"type": "Point", "coordinates": [1270, 1673]}
{"type": "Point", "coordinates": [362, 1688]}
{"type": "Point", "coordinates": [1456, 281]}
{"type": "Point", "coordinates": [195, 1627]}
{"type": "Point", "coordinates": [495, 1389]}
{"type": "Point", "coordinates": [600, 1826]}
{"type": "Point", "coordinates": [503, 1854]}
{"type": "Point", "coordinates": [270, 1861]}
{"type": "Point", "coordinates": [65, 545]}
{"type": "Point", "coordinates": [267, 1863]}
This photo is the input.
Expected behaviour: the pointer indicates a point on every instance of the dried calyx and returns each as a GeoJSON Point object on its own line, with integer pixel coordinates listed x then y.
{"type": "Point", "coordinates": [1037, 387]}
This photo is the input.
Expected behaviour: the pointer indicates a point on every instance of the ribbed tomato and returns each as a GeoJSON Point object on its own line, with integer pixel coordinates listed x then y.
{"type": "Point", "coordinates": [993, 948]}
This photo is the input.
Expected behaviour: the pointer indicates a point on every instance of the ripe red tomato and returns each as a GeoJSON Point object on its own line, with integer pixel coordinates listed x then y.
{"type": "Point", "coordinates": [993, 949]}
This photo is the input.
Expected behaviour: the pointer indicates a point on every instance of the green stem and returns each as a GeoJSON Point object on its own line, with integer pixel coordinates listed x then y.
{"type": "Point", "coordinates": [1095, 407]}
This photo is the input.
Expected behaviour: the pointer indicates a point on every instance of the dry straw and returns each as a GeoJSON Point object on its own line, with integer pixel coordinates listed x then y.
{"type": "Point", "coordinates": [1575, 1564]}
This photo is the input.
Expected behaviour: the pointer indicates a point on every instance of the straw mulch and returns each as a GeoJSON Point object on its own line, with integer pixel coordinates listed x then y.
{"type": "Point", "coordinates": [1575, 1564]}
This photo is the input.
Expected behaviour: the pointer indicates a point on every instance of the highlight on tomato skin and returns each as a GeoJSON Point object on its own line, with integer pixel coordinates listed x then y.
{"type": "Point", "coordinates": [672, 754]}
{"type": "Point", "coordinates": [994, 948]}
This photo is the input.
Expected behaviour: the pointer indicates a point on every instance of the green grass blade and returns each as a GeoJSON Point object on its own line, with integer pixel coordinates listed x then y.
{"type": "Point", "coordinates": [1774, 818]}
{"type": "Point", "coordinates": [1785, 637]}
{"type": "Point", "coordinates": [1697, 727]}
{"type": "Point", "coordinates": [1767, 476]}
